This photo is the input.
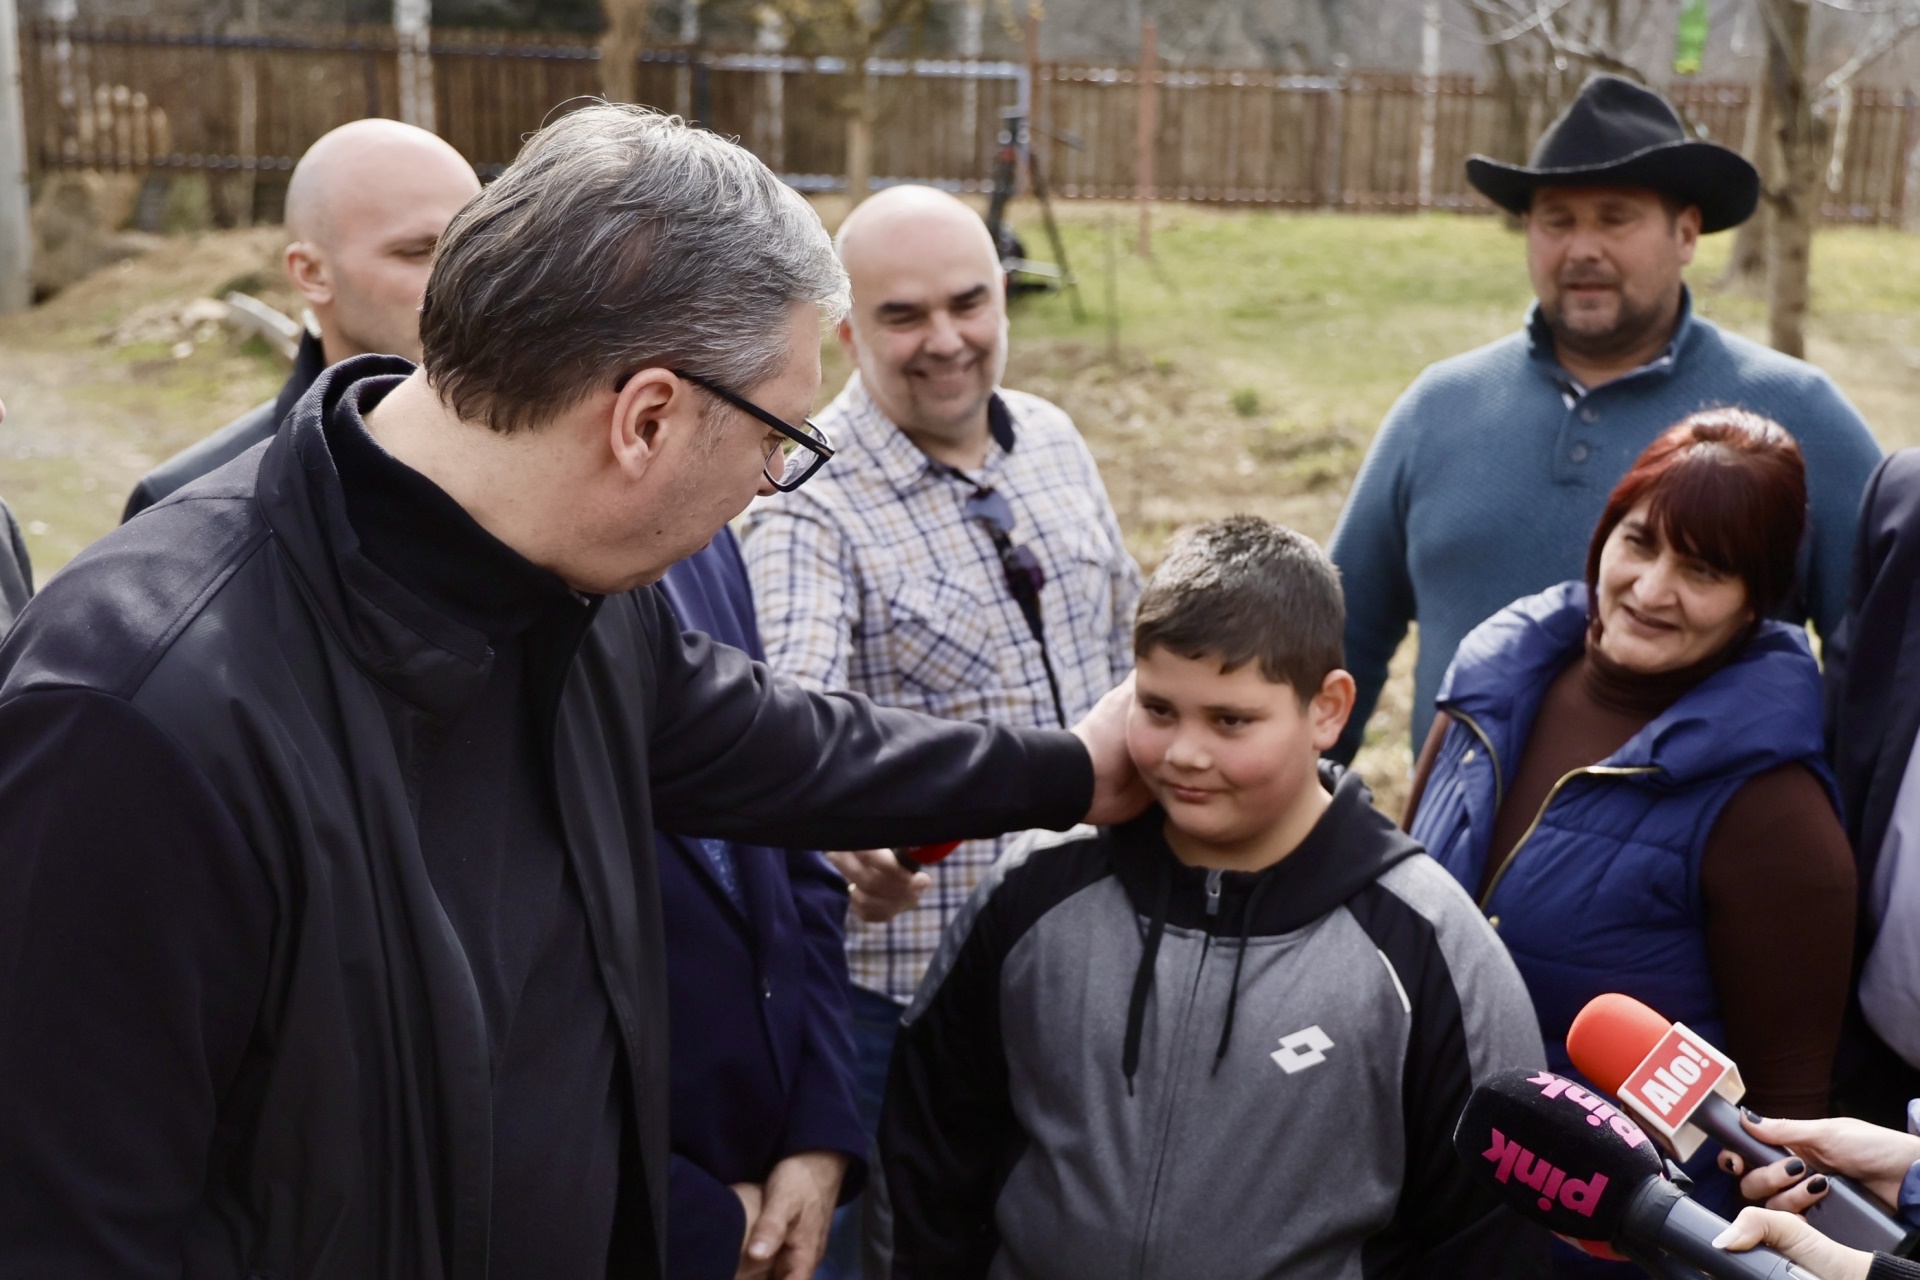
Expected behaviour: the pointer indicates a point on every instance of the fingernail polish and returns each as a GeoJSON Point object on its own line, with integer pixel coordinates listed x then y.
{"type": "Point", "coordinates": [1817, 1185]}
{"type": "Point", "coordinates": [1796, 1167]}
{"type": "Point", "coordinates": [1751, 1116]}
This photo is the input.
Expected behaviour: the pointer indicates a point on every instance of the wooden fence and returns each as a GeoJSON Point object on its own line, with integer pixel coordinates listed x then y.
{"type": "Point", "coordinates": [129, 98]}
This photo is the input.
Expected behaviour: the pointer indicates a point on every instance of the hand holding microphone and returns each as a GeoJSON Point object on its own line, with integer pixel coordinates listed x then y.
{"type": "Point", "coordinates": [1791, 1235]}
{"type": "Point", "coordinates": [881, 883]}
{"type": "Point", "coordinates": [1875, 1158]}
{"type": "Point", "coordinates": [1685, 1090]}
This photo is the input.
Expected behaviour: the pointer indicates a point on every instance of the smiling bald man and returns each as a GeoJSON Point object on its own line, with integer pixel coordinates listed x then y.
{"type": "Point", "coordinates": [959, 557]}
{"type": "Point", "coordinates": [365, 207]}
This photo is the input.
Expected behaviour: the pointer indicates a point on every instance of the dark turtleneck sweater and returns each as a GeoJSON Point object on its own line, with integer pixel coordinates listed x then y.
{"type": "Point", "coordinates": [1777, 877]}
{"type": "Point", "coordinates": [491, 838]}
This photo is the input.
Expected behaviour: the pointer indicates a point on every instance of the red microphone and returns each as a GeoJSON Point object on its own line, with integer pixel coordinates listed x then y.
{"type": "Point", "coordinates": [922, 856]}
{"type": "Point", "coordinates": [1683, 1090]}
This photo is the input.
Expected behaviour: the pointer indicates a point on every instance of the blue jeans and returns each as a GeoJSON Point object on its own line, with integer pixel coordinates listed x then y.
{"type": "Point", "coordinates": [876, 1023]}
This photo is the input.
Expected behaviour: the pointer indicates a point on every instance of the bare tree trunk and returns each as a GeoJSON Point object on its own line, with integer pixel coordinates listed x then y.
{"type": "Point", "coordinates": [620, 47]}
{"type": "Point", "coordinates": [1747, 265]}
{"type": "Point", "coordinates": [1796, 199]}
{"type": "Point", "coordinates": [1510, 138]}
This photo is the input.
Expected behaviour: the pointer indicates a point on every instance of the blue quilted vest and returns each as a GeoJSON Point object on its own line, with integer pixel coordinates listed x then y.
{"type": "Point", "coordinates": [1604, 893]}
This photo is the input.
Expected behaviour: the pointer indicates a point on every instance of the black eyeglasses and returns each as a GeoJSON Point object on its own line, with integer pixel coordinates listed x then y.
{"type": "Point", "coordinates": [802, 450]}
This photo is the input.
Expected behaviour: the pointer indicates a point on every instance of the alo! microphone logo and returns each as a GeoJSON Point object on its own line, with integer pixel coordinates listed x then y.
{"type": "Point", "coordinates": [1514, 1163]}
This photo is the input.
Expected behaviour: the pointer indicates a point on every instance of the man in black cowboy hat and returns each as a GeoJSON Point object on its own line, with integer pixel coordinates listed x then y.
{"type": "Point", "coordinates": [1486, 480]}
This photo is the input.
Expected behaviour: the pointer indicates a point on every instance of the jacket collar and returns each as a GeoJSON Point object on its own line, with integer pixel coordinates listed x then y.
{"type": "Point", "coordinates": [1350, 847]}
{"type": "Point", "coordinates": [1541, 349]}
{"type": "Point", "coordinates": [308, 364]}
{"type": "Point", "coordinates": [900, 460]}
{"type": "Point", "coordinates": [1760, 710]}
{"type": "Point", "coordinates": [425, 643]}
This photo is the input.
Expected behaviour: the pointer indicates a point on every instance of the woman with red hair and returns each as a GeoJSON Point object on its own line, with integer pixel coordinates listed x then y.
{"type": "Point", "coordinates": [1627, 772]}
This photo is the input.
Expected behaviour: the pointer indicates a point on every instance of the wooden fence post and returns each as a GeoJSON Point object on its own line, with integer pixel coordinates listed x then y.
{"type": "Point", "coordinates": [1147, 129]}
{"type": "Point", "coordinates": [1907, 191]}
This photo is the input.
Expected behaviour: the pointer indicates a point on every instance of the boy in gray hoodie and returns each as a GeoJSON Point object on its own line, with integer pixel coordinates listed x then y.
{"type": "Point", "coordinates": [1232, 1037]}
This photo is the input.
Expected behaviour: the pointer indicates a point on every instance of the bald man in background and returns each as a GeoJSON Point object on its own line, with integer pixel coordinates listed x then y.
{"type": "Point", "coordinates": [365, 207]}
{"type": "Point", "coordinates": [958, 557]}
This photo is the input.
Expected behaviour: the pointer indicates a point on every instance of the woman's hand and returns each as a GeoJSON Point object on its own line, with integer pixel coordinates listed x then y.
{"type": "Point", "coordinates": [1789, 1234]}
{"type": "Point", "coordinates": [1876, 1158]}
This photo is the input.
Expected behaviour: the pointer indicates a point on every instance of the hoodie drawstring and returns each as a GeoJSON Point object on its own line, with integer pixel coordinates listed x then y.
{"type": "Point", "coordinates": [1143, 976]}
{"type": "Point", "coordinates": [1239, 960]}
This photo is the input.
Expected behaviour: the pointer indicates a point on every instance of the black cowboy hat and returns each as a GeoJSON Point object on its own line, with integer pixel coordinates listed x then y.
{"type": "Point", "coordinates": [1620, 134]}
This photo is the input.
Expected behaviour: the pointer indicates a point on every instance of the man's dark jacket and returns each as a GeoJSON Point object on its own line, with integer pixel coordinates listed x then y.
{"type": "Point", "coordinates": [299, 1086]}
{"type": "Point", "coordinates": [16, 570]}
{"type": "Point", "coordinates": [1873, 716]}
{"type": "Point", "coordinates": [763, 1060]}
{"type": "Point", "coordinates": [229, 442]}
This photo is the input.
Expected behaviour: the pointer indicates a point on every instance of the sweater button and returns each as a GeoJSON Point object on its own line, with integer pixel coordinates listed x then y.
{"type": "Point", "coordinates": [1579, 452]}
{"type": "Point", "coordinates": [1589, 414]}
{"type": "Point", "coordinates": [1467, 758]}
{"type": "Point", "coordinates": [1494, 921]}
{"type": "Point", "coordinates": [766, 989]}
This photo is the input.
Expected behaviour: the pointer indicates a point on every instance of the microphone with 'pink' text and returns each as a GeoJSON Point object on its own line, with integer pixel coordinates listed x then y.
{"type": "Point", "coordinates": [1568, 1159]}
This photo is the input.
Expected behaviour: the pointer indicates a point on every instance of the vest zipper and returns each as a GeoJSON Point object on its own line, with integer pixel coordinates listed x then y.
{"type": "Point", "coordinates": [1592, 770]}
{"type": "Point", "coordinates": [1213, 892]}
{"type": "Point", "coordinates": [1499, 783]}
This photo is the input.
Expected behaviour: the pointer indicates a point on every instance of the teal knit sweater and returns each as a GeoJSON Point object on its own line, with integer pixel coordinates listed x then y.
{"type": "Point", "coordinates": [1486, 480]}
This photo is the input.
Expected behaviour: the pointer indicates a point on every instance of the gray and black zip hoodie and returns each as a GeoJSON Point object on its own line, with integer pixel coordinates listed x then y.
{"type": "Point", "coordinates": [1125, 1068]}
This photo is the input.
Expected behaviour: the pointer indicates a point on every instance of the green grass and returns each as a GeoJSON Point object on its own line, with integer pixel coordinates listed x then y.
{"type": "Point", "coordinates": [1255, 355]}
{"type": "Point", "coordinates": [1326, 318]}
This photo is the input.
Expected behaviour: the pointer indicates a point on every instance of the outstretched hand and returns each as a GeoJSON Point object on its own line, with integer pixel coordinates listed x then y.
{"type": "Point", "coordinates": [1118, 792]}
{"type": "Point", "coordinates": [1789, 1234]}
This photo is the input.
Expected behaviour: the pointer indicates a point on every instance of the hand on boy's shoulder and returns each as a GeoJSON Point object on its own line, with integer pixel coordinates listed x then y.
{"type": "Point", "coordinates": [1119, 793]}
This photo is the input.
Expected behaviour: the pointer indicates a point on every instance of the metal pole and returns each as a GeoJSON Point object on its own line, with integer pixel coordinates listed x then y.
{"type": "Point", "coordinates": [16, 233]}
{"type": "Point", "coordinates": [1146, 133]}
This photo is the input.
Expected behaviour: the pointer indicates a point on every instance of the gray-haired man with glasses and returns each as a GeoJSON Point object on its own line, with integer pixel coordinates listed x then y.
{"type": "Point", "coordinates": [332, 937]}
{"type": "Point", "coordinates": [960, 557]}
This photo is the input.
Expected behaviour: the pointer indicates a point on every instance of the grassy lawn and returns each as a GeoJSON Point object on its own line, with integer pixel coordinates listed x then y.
{"type": "Point", "coordinates": [1242, 367]}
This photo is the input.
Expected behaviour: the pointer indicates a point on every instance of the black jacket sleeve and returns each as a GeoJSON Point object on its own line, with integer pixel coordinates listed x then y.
{"type": "Point", "coordinates": [707, 1224]}
{"type": "Point", "coordinates": [134, 935]}
{"type": "Point", "coordinates": [1888, 1267]}
{"type": "Point", "coordinates": [948, 1135]}
{"type": "Point", "coordinates": [824, 1114]}
{"type": "Point", "coordinates": [1446, 1226]}
{"type": "Point", "coordinates": [739, 753]}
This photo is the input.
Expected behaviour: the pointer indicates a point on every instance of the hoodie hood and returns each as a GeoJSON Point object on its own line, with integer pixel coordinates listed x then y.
{"type": "Point", "coordinates": [1352, 845]}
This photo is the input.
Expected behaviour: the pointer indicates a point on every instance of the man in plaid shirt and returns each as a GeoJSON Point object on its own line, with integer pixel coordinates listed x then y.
{"type": "Point", "coordinates": [958, 556]}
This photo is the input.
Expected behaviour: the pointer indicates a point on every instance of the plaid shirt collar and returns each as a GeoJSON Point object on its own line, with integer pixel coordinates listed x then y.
{"type": "Point", "coordinates": [900, 460]}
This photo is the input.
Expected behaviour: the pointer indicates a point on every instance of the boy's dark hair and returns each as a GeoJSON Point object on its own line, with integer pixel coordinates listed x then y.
{"type": "Point", "coordinates": [1246, 590]}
